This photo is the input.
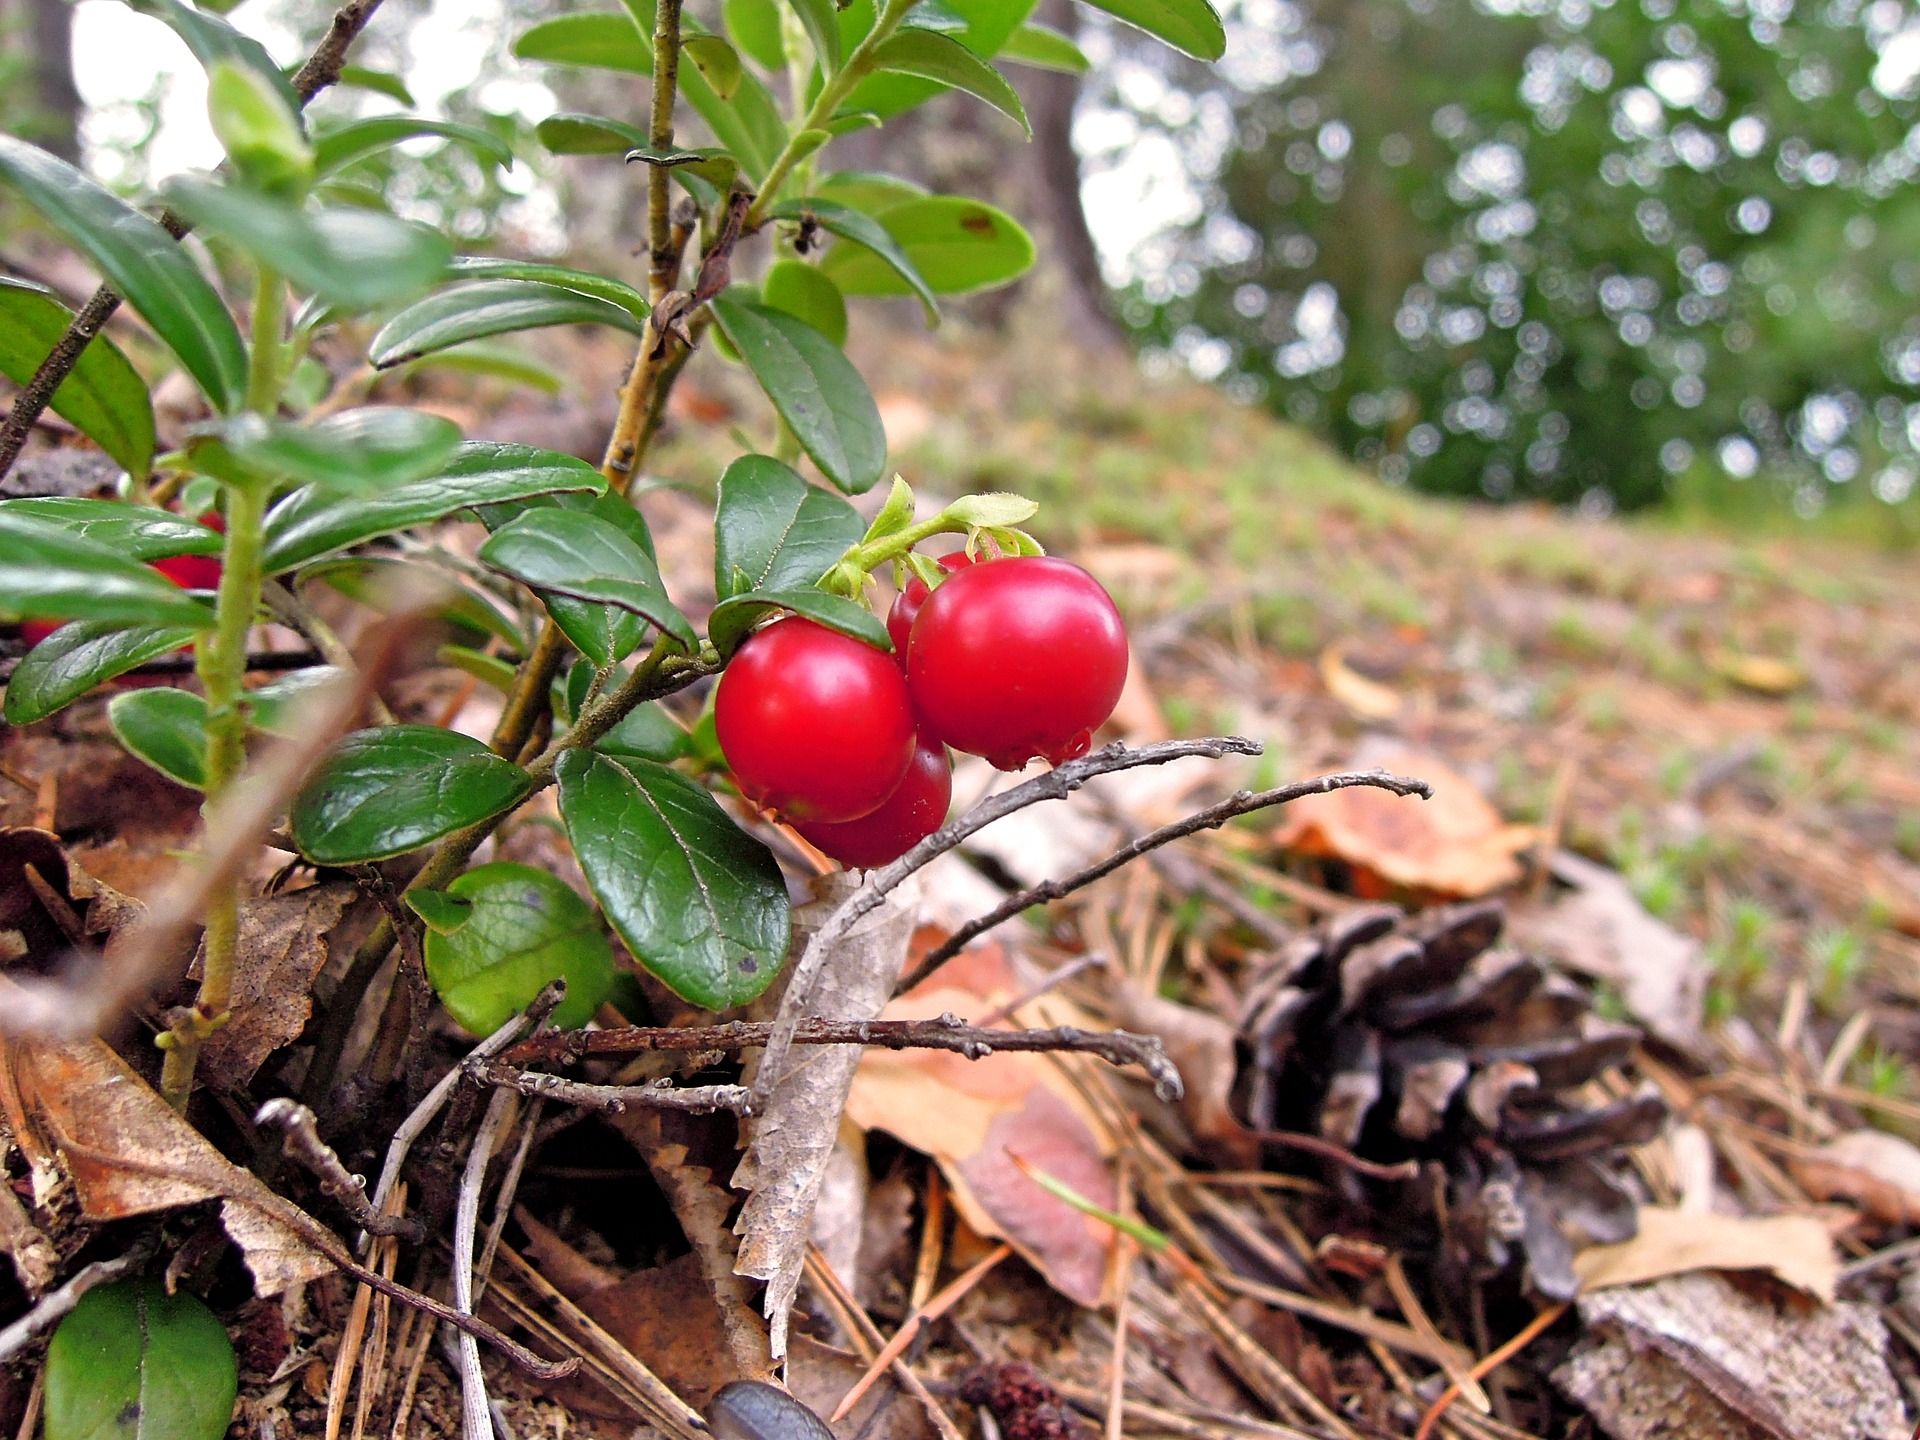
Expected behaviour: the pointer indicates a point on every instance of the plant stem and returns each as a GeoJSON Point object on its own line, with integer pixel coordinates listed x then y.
{"type": "Point", "coordinates": [857, 67]}
{"type": "Point", "coordinates": [665, 266]}
{"type": "Point", "coordinates": [222, 664]}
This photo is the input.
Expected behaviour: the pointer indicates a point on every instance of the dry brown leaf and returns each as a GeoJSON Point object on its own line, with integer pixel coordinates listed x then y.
{"type": "Point", "coordinates": [282, 947]}
{"type": "Point", "coordinates": [1454, 844]}
{"type": "Point", "coordinates": [83, 1118]}
{"type": "Point", "coordinates": [1880, 1172]}
{"type": "Point", "coordinates": [1600, 929]}
{"type": "Point", "coordinates": [1368, 699]}
{"type": "Point", "coordinates": [1795, 1248]}
{"type": "Point", "coordinates": [968, 1115]}
{"type": "Point", "coordinates": [1695, 1356]}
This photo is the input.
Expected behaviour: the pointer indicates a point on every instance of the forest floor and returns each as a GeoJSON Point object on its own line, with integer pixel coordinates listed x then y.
{"type": "Point", "coordinates": [1680, 763]}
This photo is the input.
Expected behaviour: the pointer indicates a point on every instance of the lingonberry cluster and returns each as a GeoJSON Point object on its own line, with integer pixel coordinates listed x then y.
{"type": "Point", "coordinates": [1011, 658]}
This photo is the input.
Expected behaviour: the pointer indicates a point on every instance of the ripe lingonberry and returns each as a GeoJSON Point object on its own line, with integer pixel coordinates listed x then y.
{"type": "Point", "coordinates": [914, 811]}
{"type": "Point", "coordinates": [1015, 658]}
{"type": "Point", "coordinates": [814, 724]}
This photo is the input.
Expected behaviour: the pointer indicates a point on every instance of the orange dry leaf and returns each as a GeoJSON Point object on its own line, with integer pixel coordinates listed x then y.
{"type": "Point", "coordinates": [1455, 844]}
{"type": "Point", "coordinates": [1796, 1248]}
{"type": "Point", "coordinates": [969, 1115]}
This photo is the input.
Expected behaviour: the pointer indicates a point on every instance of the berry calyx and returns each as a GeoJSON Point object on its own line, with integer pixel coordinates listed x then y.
{"type": "Point", "coordinates": [917, 808]}
{"type": "Point", "coordinates": [906, 605]}
{"type": "Point", "coordinates": [1017, 658]}
{"type": "Point", "coordinates": [814, 724]}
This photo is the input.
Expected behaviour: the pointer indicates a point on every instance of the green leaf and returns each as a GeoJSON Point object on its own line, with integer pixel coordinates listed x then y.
{"type": "Point", "coordinates": [989, 23]}
{"type": "Point", "coordinates": [374, 447]}
{"type": "Point", "coordinates": [487, 669]}
{"type": "Point", "coordinates": [932, 15]}
{"type": "Point", "coordinates": [610, 505]}
{"type": "Point", "coordinates": [500, 933]}
{"type": "Point", "coordinates": [813, 386]}
{"type": "Point", "coordinates": [868, 191]}
{"type": "Point", "coordinates": [731, 619]}
{"type": "Point", "coordinates": [603, 287]}
{"type": "Point", "coordinates": [573, 134]}
{"type": "Point", "coordinates": [597, 579]}
{"type": "Point", "coordinates": [76, 658]}
{"type": "Point", "coordinates": [350, 259]}
{"type": "Point", "coordinates": [955, 244]}
{"type": "Point", "coordinates": [499, 362]}
{"type": "Point", "coordinates": [480, 308]}
{"type": "Point", "coordinates": [699, 903]}
{"type": "Point", "coordinates": [755, 28]}
{"type": "Point", "coordinates": [594, 39]}
{"type": "Point", "coordinates": [140, 532]}
{"type": "Point", "coordinates": [859, 120]}
{"type": "Point", "coordinates": [357, 139]}
{"type": "Point", "coordinates": [131, 1362]}
{"type": "Point", "coordinates": [804, 293]}
{"type": "Point", "coordinates": [275, 706]}
{"type": "Point", "coordinates": [259, 128]}
{"type": "Point", "coordinates": [373, 581]}
{"type": "Point", "coordinates": [212, 40]}
{"type": "Point", "coordinates": [103, 397]}
{"type": "Point", "coordinates": [717, 61]}
{"type": "Point", "coordinates": [384, 792]}
{"type": "Point", "coordinates": [992, 509]}
{"type": "Point", "coordinates": [313, 522]}
{"type": "Point", "coordinates": [945, 61]}
{"type": "Point", "coordinates": [142, 262]}
{"type": "Point", "coordinates": [1190, 26]}
{"type": "Point", "coordinates": [165, 728]}
{"type": "Point", "coordinates": [865, 230]}
{"type": "Point", "coordinates": [378, 82]}
{"type": "Point", "coordinates": [1044, 48]}
{"type": "Point", "coordinates": [822, 23]}
{"type": "Point", "coordinates": [774, 531]}
{"type": "Point", "coordinates": [48, 572]}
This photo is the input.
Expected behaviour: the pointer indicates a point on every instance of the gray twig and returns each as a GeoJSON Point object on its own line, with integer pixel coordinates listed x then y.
{"type": "Point", "coordinates": [613, 1099]}
{"type": "Point", "coordinates": [56, 1303]}
{"type": "Point", "coordinates": [476, 1414]}
{"type": "Point", "coordinates": [1240, 803]}
{"type": "Point", "coordinates": [303, 1143]}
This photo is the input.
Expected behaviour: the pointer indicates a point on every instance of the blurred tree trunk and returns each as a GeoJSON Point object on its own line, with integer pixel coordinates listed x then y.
{"type": "Point", "coordinates": [48, 27]}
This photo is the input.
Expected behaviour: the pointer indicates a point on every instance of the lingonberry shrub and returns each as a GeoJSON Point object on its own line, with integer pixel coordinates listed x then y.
{"type": "Point", "coordinates": [331, 486]}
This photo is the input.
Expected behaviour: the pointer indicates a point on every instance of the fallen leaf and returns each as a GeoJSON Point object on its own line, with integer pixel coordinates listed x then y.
{"type": "Point", "coordinates": [1700, 1357]}
{"type": "Point", "coordinates": [1880, 1172]}
{"type": "Point", "coordinates": [281, 947]}
{"type": "Point", "coordinates": [1368, 699]}
{"type": "Point", "coordinates": [1794, 1248]}
{"type": "Point", "coordinates": [1762, 674]}
{"type": "Point", "coordinates": [1601, 930]}
{"type": "Point", "coordinates": [1455, 844]}
{"type": "Point", "coordinates": [35, 917]}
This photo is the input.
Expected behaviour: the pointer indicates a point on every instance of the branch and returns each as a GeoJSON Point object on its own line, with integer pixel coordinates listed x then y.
{"type": "Point", "coordinates": [303, 1143]}
{"type": "Point", "coordinates": [614, 1099]}
{"type": "Point", "coordinates": [476, 1414]}
{"type": "Point", "coordinates": [322, 68]}
{"type": "Point", "coordinates": [1240, 803]}
{"type": "Point", "coordinates": [56, 1303]}
{"type": "Point", "coordinates": [942, 1032]}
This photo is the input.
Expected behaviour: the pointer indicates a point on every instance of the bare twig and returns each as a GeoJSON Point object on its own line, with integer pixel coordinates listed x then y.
{"type": "Point", "coordinates": [613, 1099]}
{"type": "Point", "coordinates": [476, 1414]}
{"type": "Point", "coordinates": [303, 1143]}
{"type": "Point", "coordinates": [1054, 785]}
{"type": "Point", "coordinates": [259, 661]}
{"type": "Point", "coordinates": [56, 1303]}
{"type": "Point", "coordinates": [322, 68]}
{"type": "Point", "coordinates": [1240, 803]}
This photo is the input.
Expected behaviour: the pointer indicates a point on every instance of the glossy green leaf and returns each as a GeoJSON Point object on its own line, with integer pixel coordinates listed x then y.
{"type": "Point", "coordinates": [47, 571]}
{"type": "Point", "coordinates": [384, 792]}
{"type": "Point", "coordinates": [373, 447]}
{"type": "Point", "coordinates": [142, 262]}
{"type": "Point", "coordinates": [212, 40]}
{"type": "Point", "coordinates": [934, 16]}
{"type": "Point", "coordinates": [868, 191]}
{"type": "Point", "coordinates": [610, 505]}
{"type": "Point", "coordinates": [103, 397]}
{"type": "Point", "coordinates": [131, 1362]}
{"type": "Point", "coordinates": [731, 619]}
{"type": "Point", "coordinates": [593, 39]}
{"type": "Point", "coordinates": [774, 531]}
{"type": "Point", "coordinates": [717, 61]}
{"type": "Point", "coordinates": [500, 933]}
{"type": "Point", "coordinates": [946, 62]}
{"type": "Point", "coordinates": [376, 580]}
{"type": "Point", "coordinates": [989, 23]}
{"type": "Point", "coordinates": [276, 706]}
{"type": "Point", "coordinates": [260, 129]}
{"type": "Point", "coordinates": [1190, 26]}
{"type": "Point", "coordinates": [139, 532]}
{"type": "Point", "coordinates": [78, 657]}
{"type": "Point", "coordinates": [700, 903]}
{"type": "Point", "coordinates": [487, 669]}
{"type": "Point", "coordinates": [813, 386]}
{"type": "Point", "coordinates": [1044, 48]}
{"type": "Point", "coordinates": [822, 23]}
{"type": "Point", "coordinates": [755, 28]}
{"type": "Point", "coordinates": [602, 287]}
{"type": "Point", "coordinates": [953, 243]}
{"type": "Point", "coordinates": [313, 522]}
{"type": "Point", "coordinates": [804, 293]}
{"type": "Point", "coordinates": [377, 82]}
{"type": "Point", "coordinates": [165, 728]}
{"type": "Point", "coordinates": [480, 308]}
{"type": "Point", "coordinates": [705, 172]}
{"type": "Point", "coordinates": [598, 582]}
{"type": "Point", "coordinates": [357, 139]}
{"type": "Point", "coordinates": [350, 259]}
{"type": "Point", "coordinates": [498, 362]}
{"type": "Point", "coordinates": [573, 134]}
{"type": "Point", "coordinates": [863, 229]}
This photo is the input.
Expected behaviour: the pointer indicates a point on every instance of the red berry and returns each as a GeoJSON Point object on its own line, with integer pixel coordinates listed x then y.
{"type": "Point", "coordinates": [814, 724]}
{"type": "Point", "coordinates": [195, 572]}
{"type": "Point", "coordinates": [1016, 658]}
{"type": "Point", "coordinates": [906, 605]}
{"type": "Point", "coordinates": [34, 631]}
{"type": "Point", "coordinates": [914, 811]}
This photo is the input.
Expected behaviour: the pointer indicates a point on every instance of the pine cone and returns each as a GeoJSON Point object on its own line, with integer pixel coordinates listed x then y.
{"type": "Point", "coordinates": [1420, 1038]}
